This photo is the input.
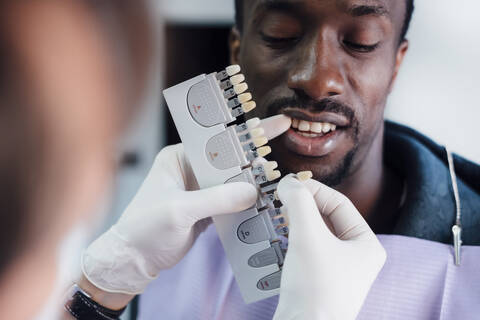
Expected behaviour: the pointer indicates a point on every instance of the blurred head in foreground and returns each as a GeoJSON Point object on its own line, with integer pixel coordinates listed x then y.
{"type": "Point", "coordinates": [71, 74]}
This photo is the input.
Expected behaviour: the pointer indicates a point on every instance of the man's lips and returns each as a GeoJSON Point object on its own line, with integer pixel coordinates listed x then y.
{"type": "Point", "coordinates": [328, 117]}
{"type": "Point", "coordinates": [306, 140]}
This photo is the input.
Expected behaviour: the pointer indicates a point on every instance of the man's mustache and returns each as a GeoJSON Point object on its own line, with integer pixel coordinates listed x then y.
{"type": "Point", "coordinates": [324, 105]}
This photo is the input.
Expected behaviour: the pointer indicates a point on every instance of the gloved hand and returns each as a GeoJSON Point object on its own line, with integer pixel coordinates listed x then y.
{"type": "Point", "coordinates": [163, 220]}
{"type": "Point", "coordinates": [333, 256]}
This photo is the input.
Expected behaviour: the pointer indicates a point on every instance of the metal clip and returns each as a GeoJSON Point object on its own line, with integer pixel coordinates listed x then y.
{"type": "Point", "coordinates": [457, 242]}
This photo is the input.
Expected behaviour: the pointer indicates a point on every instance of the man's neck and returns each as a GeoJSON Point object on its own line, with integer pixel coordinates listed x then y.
{"type": "Point", "coordinates": [374, 189]}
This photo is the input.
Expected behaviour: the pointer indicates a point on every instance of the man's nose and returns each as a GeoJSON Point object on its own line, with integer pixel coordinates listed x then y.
{"type": "Point", "coordinates": [318, 73]}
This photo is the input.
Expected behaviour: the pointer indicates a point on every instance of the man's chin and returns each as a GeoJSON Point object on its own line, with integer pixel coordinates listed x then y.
{"type": "Point", "coordinates": [329, 169]}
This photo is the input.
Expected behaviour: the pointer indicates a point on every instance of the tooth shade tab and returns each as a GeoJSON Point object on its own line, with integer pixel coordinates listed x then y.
{"type": "Point", "coordinates": [273, 175]}
{"type": "Point", "coordinates": [245, 97]}
{"type": "Point", "coordinates": [236, 79]}
{"type": "Point", "coordinates": [248, 106]}
{"type": "Point", "coordinates": [240, 88]}
{"type": "Point", "coordinates": [270, 165]}
{"type": "Point", "coordinates": [253, 123]}
{"type": "Point", "coordinates": [263, 151]}
{"type": "Point", "coordinates": [260, 141]}
{"type": "Point", "coordinates": [257, 132]}
{"type": "Point", "coordinates": [260, 152]}
{"type": "Point", "coordinates": [233, 69]}
{"type": "Point", "coordinates": [304, 175]}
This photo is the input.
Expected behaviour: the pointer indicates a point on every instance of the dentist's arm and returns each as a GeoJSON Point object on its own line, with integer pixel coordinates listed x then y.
{"type": "Point", "coordinates": [333, 256]}
{"type": "Point", "coordinates": [160, 225]}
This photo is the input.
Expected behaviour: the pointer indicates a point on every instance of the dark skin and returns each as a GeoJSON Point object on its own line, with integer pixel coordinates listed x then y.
{"type": "Point", "coordinates": [347, 52]}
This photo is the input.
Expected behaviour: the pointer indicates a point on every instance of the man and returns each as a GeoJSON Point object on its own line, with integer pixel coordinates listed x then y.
{"type": "Point", "coordinates": [335, 62]}
{"type": "Point", "coordinates": [329, 66]}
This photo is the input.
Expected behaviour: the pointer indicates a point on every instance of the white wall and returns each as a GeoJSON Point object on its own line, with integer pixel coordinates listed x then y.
{"type": "Point", "coordinates": [438, 88]}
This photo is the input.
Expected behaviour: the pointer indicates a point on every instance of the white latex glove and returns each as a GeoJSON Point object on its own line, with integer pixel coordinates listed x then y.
{"type": "Point", "coordinates": [163, 220]}
{"type": "Point", "coordinates": [333, 256]}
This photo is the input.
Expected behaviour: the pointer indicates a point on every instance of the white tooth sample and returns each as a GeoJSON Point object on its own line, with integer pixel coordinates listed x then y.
{"type": "Point", "coordinates": [304, 125]}
{"type": "Point", "coordinates": [244, 97]}
{"type": "Point", "coordinates": [295, 123]}
{"type": "Point", "coordinates": [248, 106]}
{"type": "Point", "coordinates": [333, 127]}
{"type": "Point", "coordinates": [316, 127]}
{"type": "Point", "coordinates": [236, 79]}
{"type": "Point", "coordinates": [261, 141]}
{"type": "Point", "coordinates": [240, 88]}
{"type": "Point", "coordinates": [263, 151]}
{"type": "Point", "coordinates": [304, 175]}
{"type": "Point", "coordinates": [270, 165]}
{"type": "Point", "coordinates": [253, 123]}
{"type": "Point", "coordinates": [233, 69]}
{"type": "Point", "coordinates": [272, 175]}
{"type": "Point", "coordinates": [326, 127]}
{"type": "Point", "coordinates": [257, 132]}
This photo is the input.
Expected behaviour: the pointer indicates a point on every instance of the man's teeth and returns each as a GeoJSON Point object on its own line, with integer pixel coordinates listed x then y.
{"type": "Point", "coordinates": [312, 129]}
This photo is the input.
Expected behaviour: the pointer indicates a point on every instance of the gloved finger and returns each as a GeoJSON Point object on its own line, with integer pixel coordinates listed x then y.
{"type": "Point", "coordinates": [275, 126]}
{"type": "Point", "coordinates": [345, 219]}
{"type": "Point", "coordinates": [221, 199]}
{"type": "Point", "coordinates": [300, 208]}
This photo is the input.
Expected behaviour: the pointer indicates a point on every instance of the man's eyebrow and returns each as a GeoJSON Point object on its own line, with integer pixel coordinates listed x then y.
{"type": "Point", "coordinates": [280, 5]}
{"type": "Point", "coordinates": [365, 10]}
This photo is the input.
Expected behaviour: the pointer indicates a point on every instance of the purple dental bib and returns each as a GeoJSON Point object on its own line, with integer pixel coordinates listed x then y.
{"type": "Point", "coordinates": [419, 281]}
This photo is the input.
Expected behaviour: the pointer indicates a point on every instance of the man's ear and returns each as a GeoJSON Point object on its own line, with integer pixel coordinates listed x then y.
{"type": "Point", "coordinates": [234, 44]}
{"type": "Point", "coordinates": [401, 51]}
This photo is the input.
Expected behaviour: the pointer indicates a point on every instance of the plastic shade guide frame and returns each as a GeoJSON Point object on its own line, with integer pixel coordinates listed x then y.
{"type": "Point", "coordinates": [203, 109]}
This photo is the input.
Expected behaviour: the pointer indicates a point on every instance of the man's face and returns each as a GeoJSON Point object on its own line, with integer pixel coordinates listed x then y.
{"type": "Point", "coordinates": [329, 65]}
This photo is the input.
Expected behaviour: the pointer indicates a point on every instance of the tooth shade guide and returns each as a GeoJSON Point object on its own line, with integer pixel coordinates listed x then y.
{"type": "Point", "coordinates": [233, 69]}
{"type": "Point", "coordinates": [240, 88]}
{"type": "Point", "coordinates": [253, 123]}
{"type": "Point", "coordinates": [244, 97]}
{"type": "Point", "coordinates": [237, 79]}
{"type": "Point", "coordinates": [263, 151]}
{"type": "Point", "coordinates": [248, 106]}
{"type": "Point", "coordinates": [270, 165]}
{"type": "Point", "coordinates": [269, 188]}
{"type": "Point", "coordinates": [273, 175]}
{"type": "Point", "coordinates": [304, 175]}
{"type": "Point", "coordinates": [261, 141]}
{"type": "Point", "coordinates": [257, 132]}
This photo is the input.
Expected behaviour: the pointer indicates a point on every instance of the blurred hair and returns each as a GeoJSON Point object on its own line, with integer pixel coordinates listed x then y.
{"type": "Point", "coordinates": [403, 33]}
{"type": "Point", "coordinates": [23, 133]}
